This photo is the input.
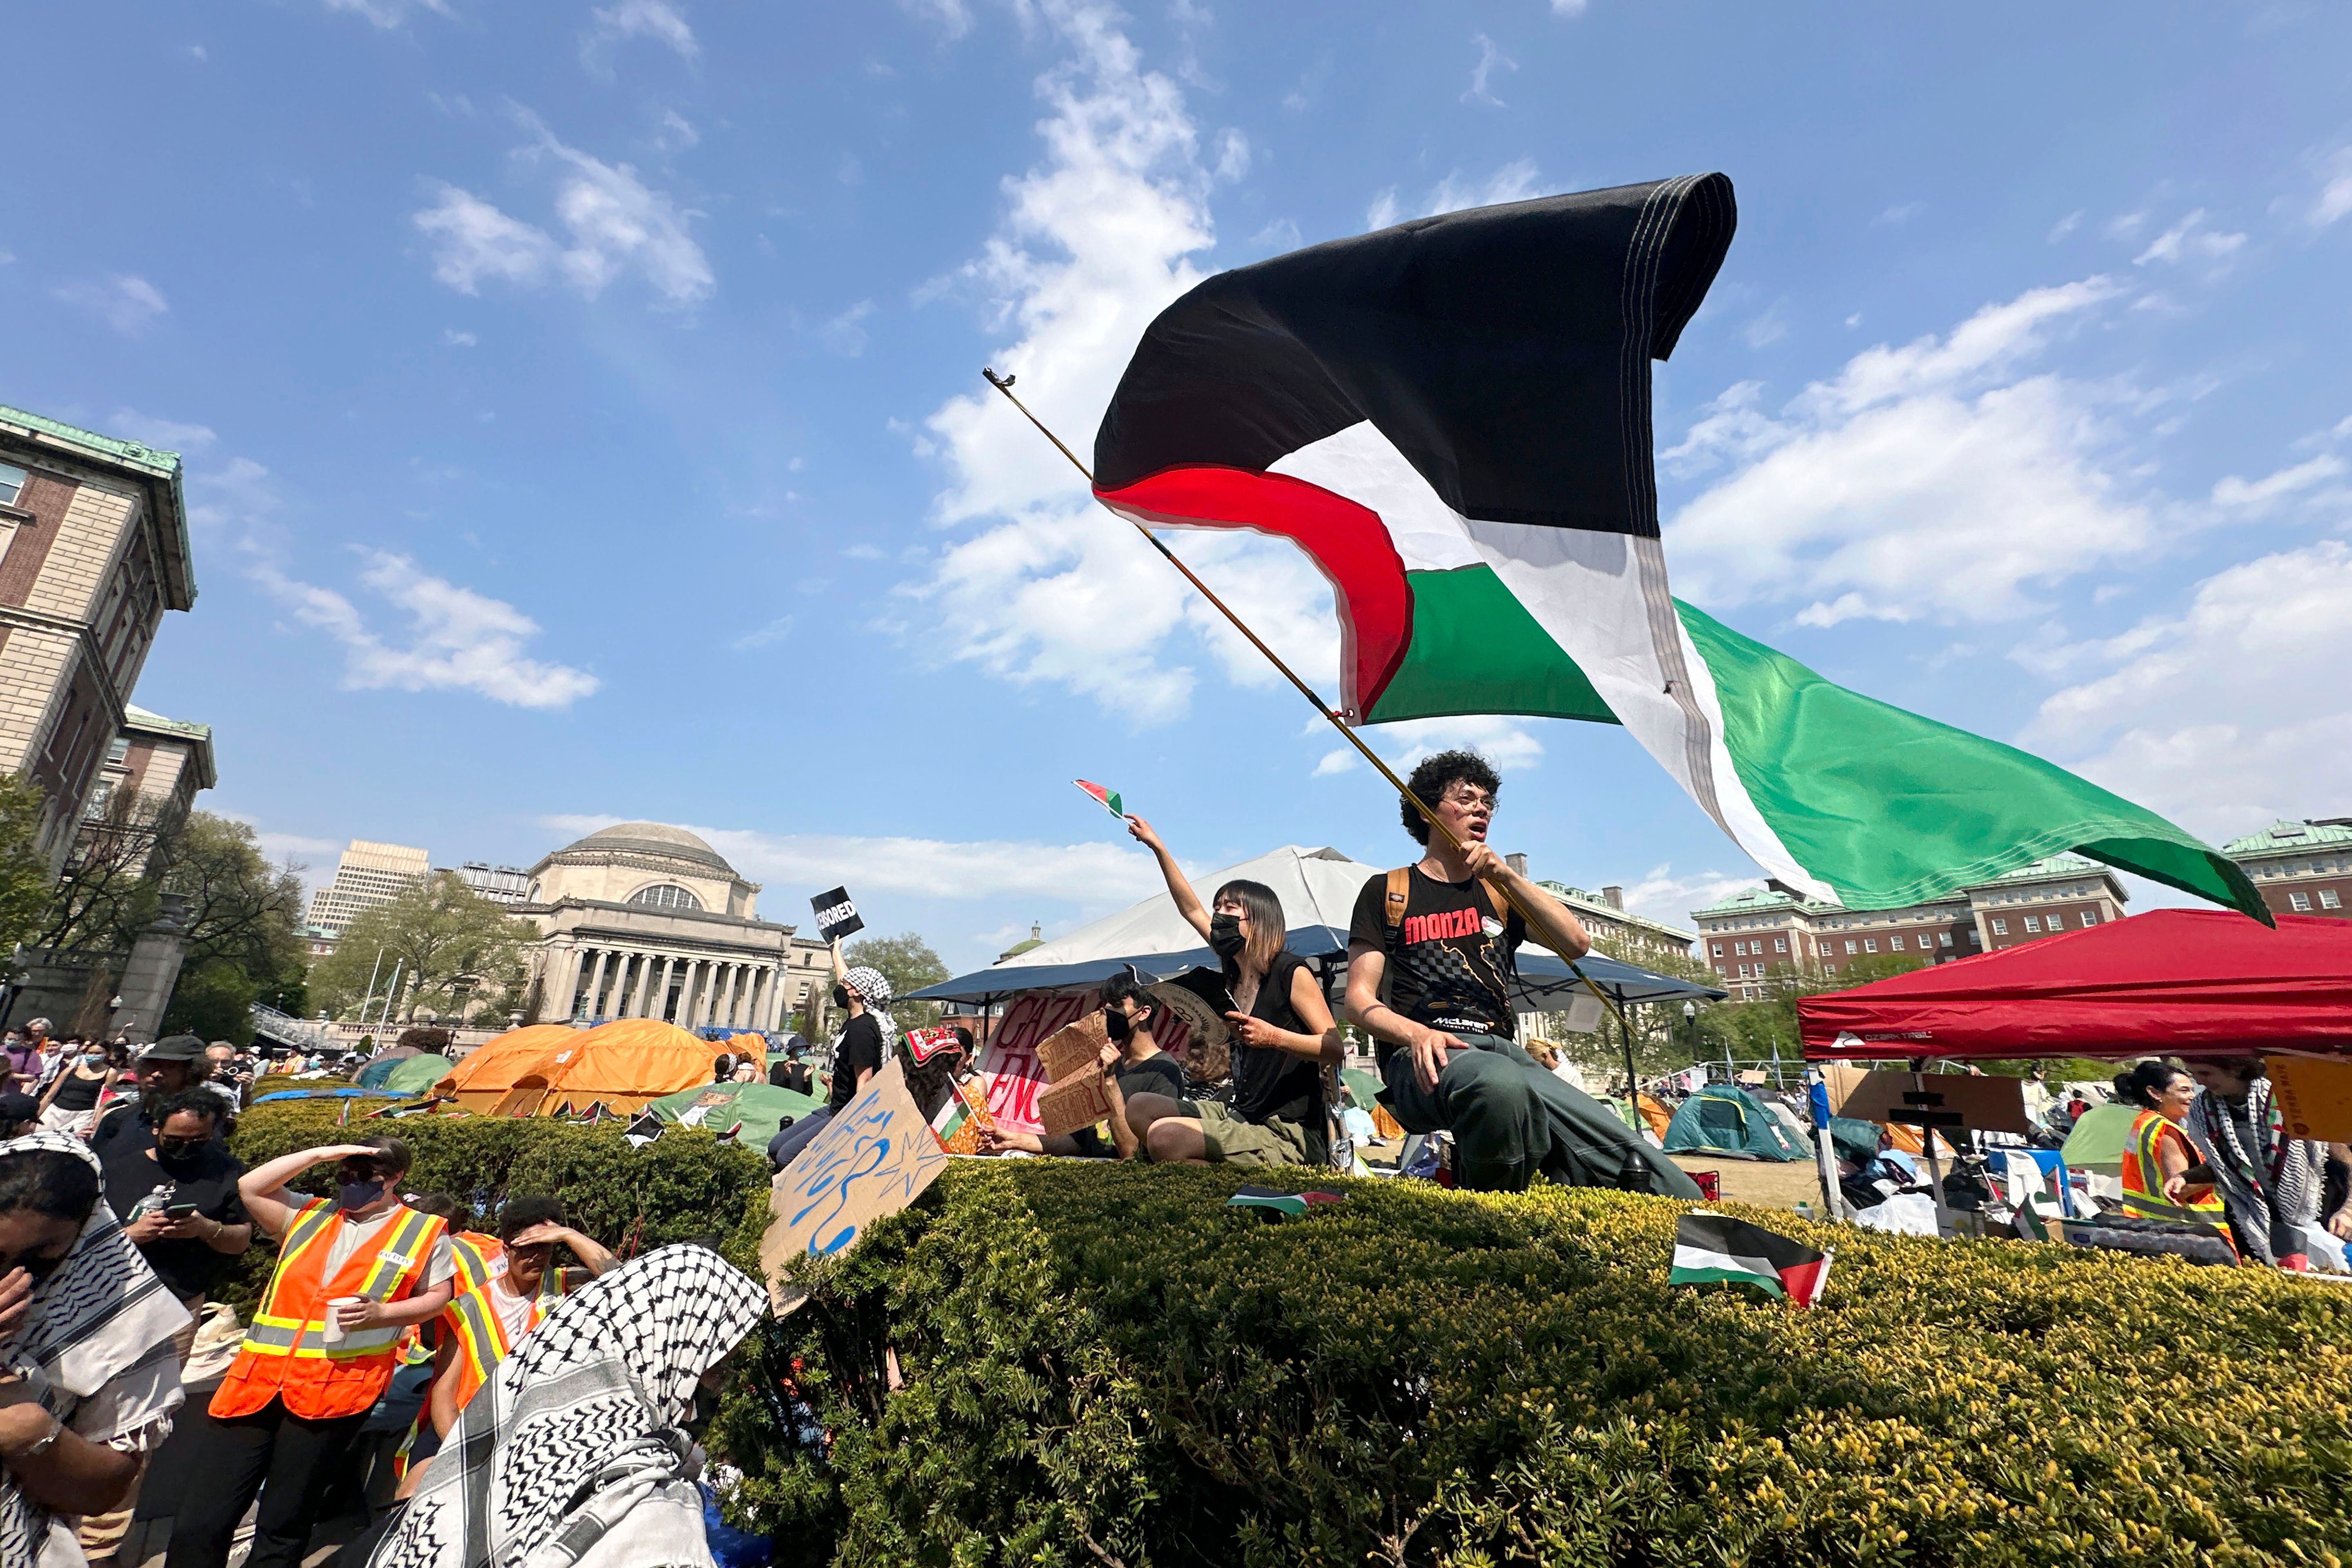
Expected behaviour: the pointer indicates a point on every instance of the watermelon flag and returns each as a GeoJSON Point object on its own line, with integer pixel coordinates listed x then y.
{"type": "Point", "coordinates": [1274, 1203]}
{"type": "Point", "coordinates": [1452, 418]}
{"type": "Point", "coordinates": [1711, 1248]}
{"type": "Point", "coordinates": [1105, 798]}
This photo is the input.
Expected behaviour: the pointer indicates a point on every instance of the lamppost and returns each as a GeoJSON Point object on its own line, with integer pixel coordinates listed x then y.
{"type": "Point", "coordinates": [1690, 1027]}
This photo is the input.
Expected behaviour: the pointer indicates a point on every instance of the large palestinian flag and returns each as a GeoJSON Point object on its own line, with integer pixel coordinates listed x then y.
{"type": "Point", "coordinates": [1452, 418]}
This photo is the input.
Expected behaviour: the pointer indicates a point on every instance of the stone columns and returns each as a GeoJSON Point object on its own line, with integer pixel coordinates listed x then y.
{"type": "Point", "coordinates": [645, 979]}
{"type": "Point", "coordinates": [620, 986]}
{"type": "Point", "coordinates": [771, 1000]}
{"type": "Point", "coordinates": [659, 1007]}
{"type": "Point", "coordinates": [689, 1000]}
{"type": "Point", "coordinates": [727, 994]}
{"type": "Point", "coordinates": [596, 983]}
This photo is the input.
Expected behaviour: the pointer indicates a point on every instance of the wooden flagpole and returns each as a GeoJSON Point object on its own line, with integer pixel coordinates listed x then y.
{"type": "Point", "coordinates": [1003, 384]}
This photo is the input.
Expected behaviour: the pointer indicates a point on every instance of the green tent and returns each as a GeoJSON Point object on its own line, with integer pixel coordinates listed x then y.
{"type": "Point", "coordinates": [1725, 1119]}
{"type": "Point", "coordinates": [417, 1074]}
{"type": "Point", "coordinates": [762, 1109]}
{"type": "Point", "coordinates": [2100, 1138]}
{"type": "Point", "coordinates": [1362, 1087]}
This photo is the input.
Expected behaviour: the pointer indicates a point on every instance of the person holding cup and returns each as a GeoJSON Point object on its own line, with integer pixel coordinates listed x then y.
{"type": "Point", "coordinates": [353, 1271]}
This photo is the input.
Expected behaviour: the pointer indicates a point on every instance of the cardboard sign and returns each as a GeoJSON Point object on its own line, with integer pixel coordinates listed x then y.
{"type": "Point", "coordinates": [876, 1156]}
{"type": "Point", "coordinates": [1009, 1068]}
{"type": "Point", "coordinates": [2314, 1097]}
{"type": "Point", "coordinates": [1064, 1107]}
{"type": "Point", "coordinates": [1983, 1103]}
{"type": "Point", "coordinates": [1074, 1048]}
{"type": "Point", "coordinates": [836, 917]}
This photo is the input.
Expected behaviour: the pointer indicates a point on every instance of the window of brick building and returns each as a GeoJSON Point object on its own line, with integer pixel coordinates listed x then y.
{"type": "Point", "coordinates": [12, 484]}
{"type": "Point", "coordinates": [1718, 949]}
{"type": "Point", "coordinates": [2001, 928]}
{"type": "Point", "coordinates": [1869, 944]}
{"type": "Point", "coordinates": [1895, 944]}
{"type": "Point", "coordinates": [2328, 901]}
{"type": "Point", "coordinates": [1946, 939]}
{"type": "Point", "coordinates": [1779, 944]}
{"type": "Point", "coordinates": [2299, 903]}
{"type": "Point", "coordinates": [2032, 924]}
{"type": "Point", "coordinates": [1849, 944]}
{"type": "Point", "coordinates": [2090, 917]}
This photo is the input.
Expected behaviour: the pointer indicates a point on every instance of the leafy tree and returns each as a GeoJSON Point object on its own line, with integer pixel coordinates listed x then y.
{"type": "Point", "coordinates": [908, 963]}
{"type": "Point", "coordinates": [213, 1001]}
{"type": "Point", "coordinates": [446, 940]}
{"type": "Point", "coordinates": [24, 873]}
{"type": "Point", "coordinates": [112, 884]}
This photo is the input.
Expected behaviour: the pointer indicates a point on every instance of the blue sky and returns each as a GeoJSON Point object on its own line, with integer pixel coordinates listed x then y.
{"type": "Point", "coordinates": [582, 416]}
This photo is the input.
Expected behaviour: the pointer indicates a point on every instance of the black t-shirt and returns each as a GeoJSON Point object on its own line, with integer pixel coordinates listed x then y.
{"type": "Point", "coordinates": [860, 1049]}
{"type": "Point", "coordinates": [209, 1181]}
{"type": "Point", "coordinates": [1450, 961]}
{"type": "Point", "coordinates": [79, 1093]}
{"type": "Point", "coordinates": [1272, 1082]}
{"type": "Point", "coordinates": [1159, 1073]}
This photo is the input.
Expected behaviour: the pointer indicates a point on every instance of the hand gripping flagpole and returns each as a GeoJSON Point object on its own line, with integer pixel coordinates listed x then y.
{"type": "Point", "coordinates": [1003, 384]}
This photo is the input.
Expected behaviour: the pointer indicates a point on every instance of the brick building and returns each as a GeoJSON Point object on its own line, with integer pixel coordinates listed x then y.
{"type": "Point", "coordinates": [1754, 935]}
{"type": "Point", "coordinates": [2301, 867]}
{"type": "Point", "coordinates": [93, 550]}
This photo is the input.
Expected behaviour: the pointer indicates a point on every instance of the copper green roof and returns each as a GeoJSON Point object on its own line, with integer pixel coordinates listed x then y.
{"type": "Point", "coordinates": [159, 468]}
{"type": "Point", "coordinates": [135, 715]}
{"type": "Point", "coordinates": [2285, 838]}
{"type": "Point", "coordinates": [1760, 900]}
{"type": "Point", "coordinates": [2064, 864]}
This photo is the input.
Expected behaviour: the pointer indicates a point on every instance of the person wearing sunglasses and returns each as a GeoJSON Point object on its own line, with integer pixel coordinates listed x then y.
{"type": "Point", "coordinates": [291, 1408]}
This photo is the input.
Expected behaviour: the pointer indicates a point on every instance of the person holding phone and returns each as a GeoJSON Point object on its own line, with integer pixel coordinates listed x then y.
{"type": "Point", "coordinates": [178, 1198]}
{"type": "Point", "coordinates": [1283, 1036]}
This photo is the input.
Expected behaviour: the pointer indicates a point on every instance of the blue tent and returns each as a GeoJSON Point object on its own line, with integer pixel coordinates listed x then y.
{"type": "Point", "coordinates": [1725, 1119]}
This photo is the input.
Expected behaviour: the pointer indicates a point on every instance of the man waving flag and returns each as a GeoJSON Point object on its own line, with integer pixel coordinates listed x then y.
{"type": "Point", "coordinates": [1452, 417]}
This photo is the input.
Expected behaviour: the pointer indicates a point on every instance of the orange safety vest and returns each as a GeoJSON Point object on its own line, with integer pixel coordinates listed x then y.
{"type": "Point", "coordinates": [285, 1354]}
{"type": "Point", "coordinates": [481, 1331]}
{"type": "Point", "coordinates": [2144, 1175]}
{"type": "Point", "coordinates": [478, 1258]}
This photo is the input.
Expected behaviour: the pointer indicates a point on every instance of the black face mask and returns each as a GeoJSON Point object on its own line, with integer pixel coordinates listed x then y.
{"type": "Point", "coordinates": [179, 1153]}
{"type": "Point", "coordinates": [1121, 1026]}
{"type": "Point", "coordinates": [840, 998]}
{"type": "Point", "coordinates": [1225, 938]}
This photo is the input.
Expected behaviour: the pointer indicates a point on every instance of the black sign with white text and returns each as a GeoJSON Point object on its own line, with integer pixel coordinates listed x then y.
{"type": "Point", "coordinates": [836, 917]}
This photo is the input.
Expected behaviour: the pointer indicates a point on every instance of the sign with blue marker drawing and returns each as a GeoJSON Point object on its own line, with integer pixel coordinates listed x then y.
{"type": "Point", "coordinates": [876, 1156]}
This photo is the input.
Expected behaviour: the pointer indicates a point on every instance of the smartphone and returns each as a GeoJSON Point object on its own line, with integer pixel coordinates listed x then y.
{"type": "Point", "coordinates": [178, 1211]}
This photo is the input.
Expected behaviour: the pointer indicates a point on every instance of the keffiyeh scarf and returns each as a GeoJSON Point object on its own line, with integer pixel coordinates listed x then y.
{"type": "Point", "coordinates": [2271, 1192]}
{"type": "Point", "coordinates": [102, 1318]}
{"type": "Point", "coordinates": [874, 989]}
{"type": "Point", "coordinates": [580, 1425]}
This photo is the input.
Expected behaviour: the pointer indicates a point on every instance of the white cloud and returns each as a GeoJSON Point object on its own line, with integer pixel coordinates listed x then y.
{"type": "Point", "coordinates": [654, 19]}
{"type": "Point", "coordinates": [1232, 154]}
{"type": "Point", "coordinates": [1896, 217]}
{"type": "Point", "coordinates": [2257, 497]}
{"type": "Point", "coordinates": [2333, 199]}
{"type": "Point", "coordinates": [952, 17]}
{"type": "Point", "coordinates": [1922, 481]}
{"type": "Point", "coordinates": [678, 134]}
{"type": "Point", "coordinates": [1662, 896]}
{"type": "Point", "coordinates": [388, 12]}
{"type": "Point", "coordinates": [128, 303]}
{"type": "Point", "coordinates": [1766, 330]}
{"type": "Point", "coordinates": [238, 494]}
{"type": "Point", "coordinates": [844, 333]}
{"type": "Point", "coordinates": [457, 340]}
{"type": "Point", "coordinates": [617, 224]}
{"type": "Point", "coordinates": [774, 632]}
{"type": "Point", "coordinates": [169, 434]}
{"type": "Point", "coordinates": [1514, 181]}
{"type": "Point", "coordinates": [1084, 873]}
{"type": "Point", "coordinates": [457, 639]}
{"type": "Point", "coordinates": [1569, 7]}
{"type": "Point", "coordinates": [2221, 717]}
{"type": "Point", "coordinates": [2190, 240]}
{"type": "Point", "coordinates": [2065, 225]}
{"type": "Point", "coordinates": [1490, 60]}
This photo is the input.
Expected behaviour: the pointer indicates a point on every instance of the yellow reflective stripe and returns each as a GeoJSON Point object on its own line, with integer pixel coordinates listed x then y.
{"type": "Point", "coordinates": [401, 1252]}
{"type": "Point", "coordinates": [480, 1329]}
{"type": "Point", "coordinates": [312, 1221]}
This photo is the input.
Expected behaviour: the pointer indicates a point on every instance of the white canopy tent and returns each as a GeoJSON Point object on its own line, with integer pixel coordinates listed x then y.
{"type": "Point", "coordinates": [1317, 887]}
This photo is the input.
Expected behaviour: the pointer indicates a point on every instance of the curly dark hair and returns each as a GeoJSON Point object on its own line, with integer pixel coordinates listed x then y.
{"type": "Point", "coordinates": [1436, 774]}
{"type": "Point", "coordinates": [2140, 1083]}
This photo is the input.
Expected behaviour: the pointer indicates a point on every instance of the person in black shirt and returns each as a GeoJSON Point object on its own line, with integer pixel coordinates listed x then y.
{"type": "Point", "coordinates": [1431, 940]}
{"type": "Point", "coordinates": [177, 1198]}
{"type": "Point", "coordinates": [1284, 1039]}
{"type": "Point", "coordinates": [1133, 1067]}
{"type": "Point", "coordinates": [864, 995]}
{"type": "Point", "coordinates": [166, 1069]}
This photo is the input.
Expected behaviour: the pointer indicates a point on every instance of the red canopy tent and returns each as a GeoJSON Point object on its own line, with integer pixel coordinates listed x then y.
{"type": "Point", "coordinates": [2169, 982]}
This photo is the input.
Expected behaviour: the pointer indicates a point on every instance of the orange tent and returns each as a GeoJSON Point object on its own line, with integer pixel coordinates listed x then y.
{"type": "Point", "coordinates": [625, 1064]}
{"type": "Point", "coordinates": [483, 1079]}
{"type": "Point", "coordinates": [752, 1046]}
{"type": "Point", "coordinates": [1658, 1117]}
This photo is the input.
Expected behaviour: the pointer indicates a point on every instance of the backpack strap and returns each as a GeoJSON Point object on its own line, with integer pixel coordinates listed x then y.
{"type": "Point", "coordinates": [1399, 884]}
{"type": "Point", "coordinates": [1495, 904]}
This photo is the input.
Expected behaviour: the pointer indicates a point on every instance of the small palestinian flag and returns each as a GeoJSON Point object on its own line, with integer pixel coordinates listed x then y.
{"type": "Point", "coordinates": [1450, 418]}
{"type": "Point", "coordinates": [1105, 798]}
{"type": "Point", "coordinates": [1271, 1203]}
{"type": "Point", "coordinates": [1711, 1248]}
{"type": "Point", "coordinates": [959, 1123]}
{"type": "Point", "coordinates": [644, 1129]}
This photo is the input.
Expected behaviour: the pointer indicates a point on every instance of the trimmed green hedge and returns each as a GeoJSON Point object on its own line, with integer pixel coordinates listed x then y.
{"type": "Point", "coordinates": [1102, 1365]}
{"type": "Point", "coordinates": [682, 1185]}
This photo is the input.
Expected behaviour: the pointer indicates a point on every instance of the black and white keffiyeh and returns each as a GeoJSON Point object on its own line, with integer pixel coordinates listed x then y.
{"type": "Point", "coordinates": [872, 988]}
{"type": "Point", "coordinates": [2272, 1191]}
{"type": "Point", "coordinates": [580, 1425]}
{"type": "Point", "coordinates": [102, 1320]}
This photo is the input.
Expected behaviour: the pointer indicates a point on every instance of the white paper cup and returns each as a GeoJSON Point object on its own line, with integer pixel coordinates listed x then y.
{"type": "Point", "coordinates": [333, 1333]}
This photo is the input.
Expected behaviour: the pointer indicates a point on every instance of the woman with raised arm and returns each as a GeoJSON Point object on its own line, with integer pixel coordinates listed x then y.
{"type": "Point", "coordinates": [1283, 1036]}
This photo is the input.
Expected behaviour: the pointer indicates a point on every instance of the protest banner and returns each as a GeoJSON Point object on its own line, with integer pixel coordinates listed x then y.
{"type": "Point", "coordinates": [837, 915]}
{"type": "Point", "coordinates": [2314, 1097]}
{"type": "Point", "coordinates": [873, 1158]}
{"type": "Point", "coordinates": [1010, 1066]}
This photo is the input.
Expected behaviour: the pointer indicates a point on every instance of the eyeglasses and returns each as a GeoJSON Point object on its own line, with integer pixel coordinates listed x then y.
{"type": "Point", "coordinates": [177, 1147]}
{"type": "Point", "coordinates": [1470, 799]}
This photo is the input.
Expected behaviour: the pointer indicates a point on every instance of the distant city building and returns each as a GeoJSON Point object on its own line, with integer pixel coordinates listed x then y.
{"type": "Point", "coordinates": [93, 550]}
{"type": "Point", "coordinates": [2301, 867]}
{"type": "Point", "coordinates": [642, 920]}
{"type": "Point", "coordinates": [1755, 935]}
{"type": "Point", "coordinates": [1605, 918]}
{"type": "Point", "coordinates": [499, 884]}
{"type": "Point", "coordinates": [368, 874]}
